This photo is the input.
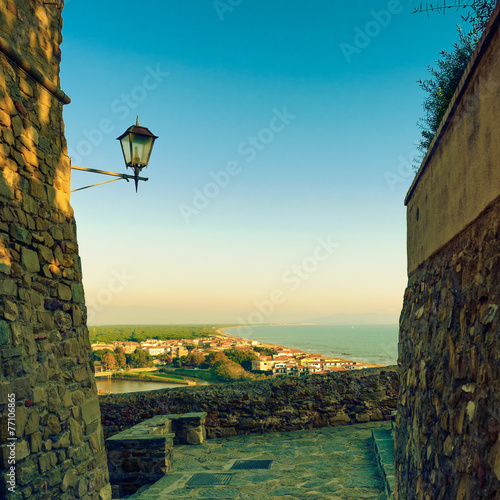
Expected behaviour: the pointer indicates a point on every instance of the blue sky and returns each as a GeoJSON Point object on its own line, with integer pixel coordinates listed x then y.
{"type": "Point", "coordinates": [277, 183]}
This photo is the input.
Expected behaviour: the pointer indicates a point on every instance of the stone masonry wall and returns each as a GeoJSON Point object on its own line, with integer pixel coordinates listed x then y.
{"type": "Point", "coordinates": [50, 433]}
{"type": "Point", "coordinates": [264, 406]}
{"type": "Point", "coordinates": [448, 422]}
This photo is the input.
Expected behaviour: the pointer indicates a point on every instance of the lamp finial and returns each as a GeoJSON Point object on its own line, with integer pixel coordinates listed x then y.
{"type": "Point", "coordinates": [137, 122]}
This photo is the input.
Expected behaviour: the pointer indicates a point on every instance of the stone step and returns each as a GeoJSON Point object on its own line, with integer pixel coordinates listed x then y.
{"type": "Point", "coordinates": [383, 442]}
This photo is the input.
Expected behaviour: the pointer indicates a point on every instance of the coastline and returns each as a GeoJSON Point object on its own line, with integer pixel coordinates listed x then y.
{"type": "Point", "coordinates": [264, 344]}
{"type": "Point", "coordinates": [222, 332]}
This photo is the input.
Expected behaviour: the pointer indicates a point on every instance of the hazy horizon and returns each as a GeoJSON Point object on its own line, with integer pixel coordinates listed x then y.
{"type": "Point", "coordinates": [354, 320]}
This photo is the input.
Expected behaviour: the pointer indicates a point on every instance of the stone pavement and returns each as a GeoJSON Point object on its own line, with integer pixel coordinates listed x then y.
{"type": "Point", "coordinates": [322, 464]}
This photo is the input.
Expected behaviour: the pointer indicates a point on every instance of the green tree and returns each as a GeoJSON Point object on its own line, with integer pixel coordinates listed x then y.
{"type": "Point", "coordinates": [121, 360]}
{"type": "Point", "coordinates": [443, 84]}
{"type": "Point", "coordinates": [229, 371]}
{"type": "Point", "coordinates": [243, 358]}
{"type": "Point", "coordinates": [214, 357]}
{"type": "Point", "coordinates": [109, 361]}
{"type": "Point", "coordinates": [195, 359]}
{"type": "Point", "coordinates": [265, 351]}
{"type": "Point", "coordinates": [97, 355]}
{"type": "Point", "coordinates": [139, 359]}
{"type": "Point", "coordinates": [166, 358]}
{"type": "Point", "coordinates": [450, 68]}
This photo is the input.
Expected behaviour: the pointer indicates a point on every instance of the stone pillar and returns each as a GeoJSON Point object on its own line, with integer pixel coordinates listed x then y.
{"type": "Point", "coordinates": [140, 455]}
{"type": "Point", "coordinates": [50, 430]}
{"type": "Point", "coordinates": [189, 428]}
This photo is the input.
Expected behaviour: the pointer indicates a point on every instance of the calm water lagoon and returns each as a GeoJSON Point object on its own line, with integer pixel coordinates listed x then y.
{"type": "Point", "coordinates": [122, 386]}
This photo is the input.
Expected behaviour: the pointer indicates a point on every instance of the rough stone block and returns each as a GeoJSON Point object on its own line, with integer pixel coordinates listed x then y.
{"type": "Point", "coordinates": [76, 432]}
{"type": "Point", "coordinates": [189, 428]}
{"type": "Point", "coordinates": [11, 311]}
{"type": "Point", "coordinates": [22, 449]}
{"type": "Point", "coordinates": [30, 260]}
{"type": "Point", "coordinates": [90, 411]}
{"type": "Point", "coordinates": [26, 472]}
{"type": "Point", "coordinates": [17, 125]}
{"type": "Point", "coordinates": [33, 422]}
{"type": "Point", "coordinates": [64, 292]}
{"type": "Point", "coordinates": [4, 335]}
{"type": "Point", "coordinates": [8, 287]}
{"type": "Point", "coordinates": [195, 436]}
{"type": "Point", "coordinates": [78, 293]}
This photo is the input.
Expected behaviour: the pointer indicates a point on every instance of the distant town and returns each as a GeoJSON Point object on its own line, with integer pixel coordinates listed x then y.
{"type": "Point", "coordinates": [204, 353]}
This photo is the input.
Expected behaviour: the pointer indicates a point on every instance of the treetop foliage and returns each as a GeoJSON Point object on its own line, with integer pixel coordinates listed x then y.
{"type": "Point", "coordinates": [451, 65]}
{"type": "Point", "coordinates": [139, 333]}
{"type": "Point", "coordinates": [479, 11]}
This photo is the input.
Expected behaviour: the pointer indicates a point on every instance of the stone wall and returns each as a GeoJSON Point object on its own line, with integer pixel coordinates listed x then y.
{"type": "Point", "coordinates": [264, 406]}
{"type": "Point", "coordinates": [51, 437]}
{"type": "Point", "coordinates": [448, 422]}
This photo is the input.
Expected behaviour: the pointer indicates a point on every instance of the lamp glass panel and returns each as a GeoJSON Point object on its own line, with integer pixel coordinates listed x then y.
{"type": "Point", "coordinates": [141, 148]}
{"type": "Point", "coordinates": [125, 142]}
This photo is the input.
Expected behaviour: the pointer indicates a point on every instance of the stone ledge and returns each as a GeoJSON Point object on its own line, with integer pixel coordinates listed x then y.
{"type": "Point", "coordinates": [383, 442]}
{"type": "Point", "coordinates": [156, 426]}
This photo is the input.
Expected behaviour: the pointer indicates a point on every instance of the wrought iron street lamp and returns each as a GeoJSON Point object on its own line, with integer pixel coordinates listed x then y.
{"type": "Point", "coordinates": [137, 144]}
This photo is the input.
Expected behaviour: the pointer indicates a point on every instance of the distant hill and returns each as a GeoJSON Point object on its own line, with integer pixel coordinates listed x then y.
{"type": "Point", "coordinates": [357, 319]}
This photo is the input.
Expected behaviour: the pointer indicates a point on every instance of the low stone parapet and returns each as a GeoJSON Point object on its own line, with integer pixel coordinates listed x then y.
{"type": "Point", "coordinates": [140, 455]}
{"type": "Point", "coordinates": [143, 454]}
{"type": "Point", "coordinates": [189, 428]}
{"type": "Point", "coordinates": [271, 405]}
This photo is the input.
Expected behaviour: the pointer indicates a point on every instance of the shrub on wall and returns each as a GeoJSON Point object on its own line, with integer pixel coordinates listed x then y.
{"type": "Point", "coordinates": [446, 76]}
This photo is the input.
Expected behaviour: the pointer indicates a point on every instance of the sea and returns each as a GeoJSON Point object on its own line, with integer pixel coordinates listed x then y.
{"type": "Point", "coordinates": [363, 343]}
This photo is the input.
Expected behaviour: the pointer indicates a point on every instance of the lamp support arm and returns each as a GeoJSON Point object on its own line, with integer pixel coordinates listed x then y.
{"type": "Point", "coordinates": [104, 172]}
{"type": "Point", "coordinates": [113, 174]}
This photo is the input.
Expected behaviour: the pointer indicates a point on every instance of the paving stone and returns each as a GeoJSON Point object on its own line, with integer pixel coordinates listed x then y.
{"type": "Point", "coordinates": [284, 491]}
{"type": "Point", "coordinates": [301, 467]}
{"type": "Point", "coordinates": [216, 493]}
